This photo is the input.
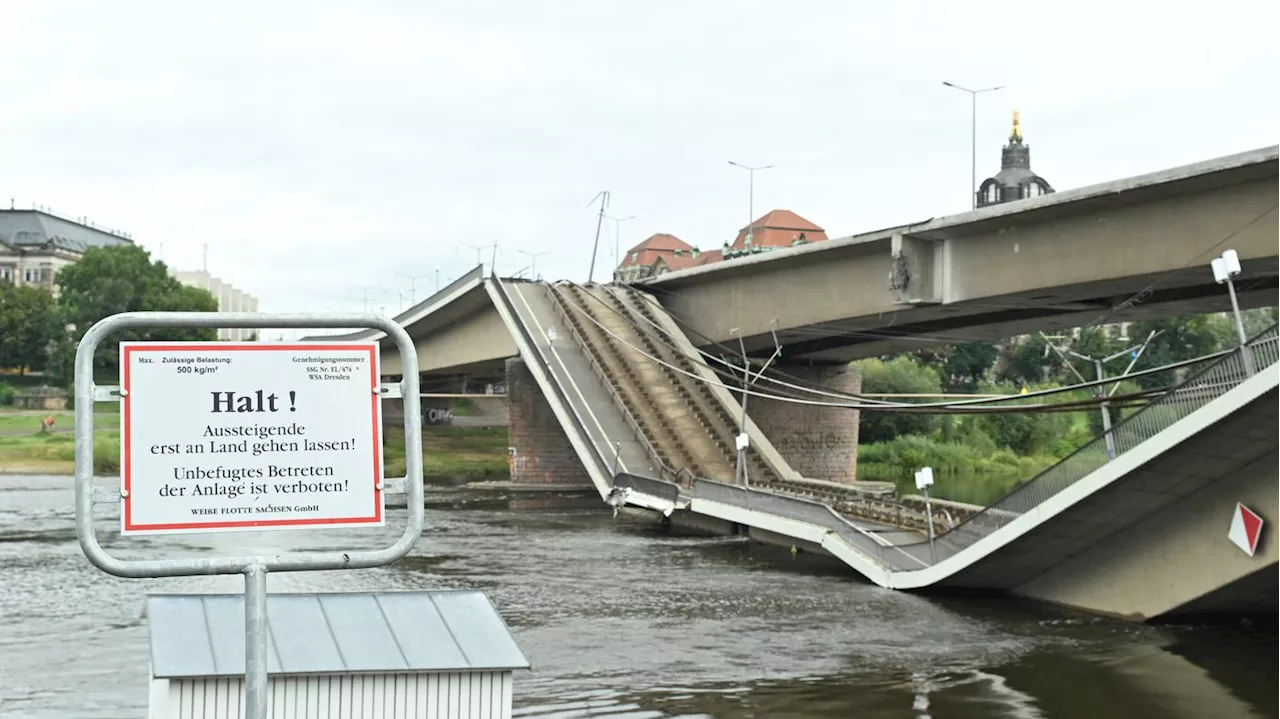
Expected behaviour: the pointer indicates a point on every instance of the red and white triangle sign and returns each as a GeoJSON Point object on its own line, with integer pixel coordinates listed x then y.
{"type": "Point", "coordinates": [1246, 529]}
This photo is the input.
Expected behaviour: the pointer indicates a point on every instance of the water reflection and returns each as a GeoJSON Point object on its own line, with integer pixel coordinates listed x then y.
{"type": "Point", "coordinates": [622, 620]}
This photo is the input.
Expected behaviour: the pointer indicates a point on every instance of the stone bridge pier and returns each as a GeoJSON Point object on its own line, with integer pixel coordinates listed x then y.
{"type": "Point", "coordinates": [818, 442]}
{"type": "Point", "coordinates": [538, 450]}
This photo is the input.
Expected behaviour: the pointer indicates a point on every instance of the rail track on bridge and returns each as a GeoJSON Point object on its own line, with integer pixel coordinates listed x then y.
{"type": "Point", "coordinates": [688, 432]}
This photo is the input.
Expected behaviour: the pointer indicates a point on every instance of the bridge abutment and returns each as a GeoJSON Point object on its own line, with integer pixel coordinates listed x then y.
{"type": "Point", "coordinates": [818, 442]}
{"type": "Point", "coordinates": [538, 450]}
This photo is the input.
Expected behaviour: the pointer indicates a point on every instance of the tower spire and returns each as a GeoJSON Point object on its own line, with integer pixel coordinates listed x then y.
{"type": "Point", "coordinates": [1015, 180]}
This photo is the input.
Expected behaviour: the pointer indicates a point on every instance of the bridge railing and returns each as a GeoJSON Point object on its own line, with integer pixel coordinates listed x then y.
{"type": "Point", "coordinates": [807, 511]}
{"type": "Point", "coordinates": [1210, 383]}
{"type": "Point", "coordinates": [670, 491]}
{"type": "Point", "coordinates": [580, 426]}
{"type": "Point", "coordinates": [559, 302]}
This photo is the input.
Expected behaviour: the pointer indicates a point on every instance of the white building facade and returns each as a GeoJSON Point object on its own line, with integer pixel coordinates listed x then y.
{"type": "Point", "coordinates": [230, 299]}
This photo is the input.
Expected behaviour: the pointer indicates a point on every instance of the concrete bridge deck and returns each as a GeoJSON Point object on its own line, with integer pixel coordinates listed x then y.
{"type": "Point", "coordinates": [1128, 249]}
{"type": "Point", "coordinates": [1089, 532]}
{"type": "Point", "coordinates": [1124, 250]}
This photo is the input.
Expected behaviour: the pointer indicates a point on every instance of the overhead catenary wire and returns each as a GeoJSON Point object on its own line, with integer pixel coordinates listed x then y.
{"type": "Point", "coordinates": [712, 357]}
{"type": "Point", "coordinates": [1000, 398]}
{"type": "Point", "coordinates": [851, 400]}
{"type": "Point", "coordinates": [961, 407]}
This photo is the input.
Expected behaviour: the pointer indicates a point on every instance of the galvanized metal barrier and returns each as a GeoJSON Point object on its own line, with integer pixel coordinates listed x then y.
{"type": "Point", "coordinates": [662, 489]}
{"type": "Point", "coordinates": [803, 510]}
{"type": "Point", "coordinates": [517, 325]}
{"type": "Point", "coordinates": [254, 568]}
{"type": "Point", "coordinates": [1210, 383]}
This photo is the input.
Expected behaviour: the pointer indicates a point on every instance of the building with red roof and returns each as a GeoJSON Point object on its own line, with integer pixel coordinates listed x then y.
{"type": "Point", "coordinates": [659, 254]}
{"type": "Point", "coordinates": [777, 229]}
{"type": "Point", "coordinates": [662, 253]}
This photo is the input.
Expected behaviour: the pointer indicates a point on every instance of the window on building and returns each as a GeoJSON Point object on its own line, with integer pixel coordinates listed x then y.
{"type": "Point", "coordinates": [31, 275]}
{"type": "Point", "coordinates": [993, 193]}
{"type": "Point", "coordinates": [1033, 189]}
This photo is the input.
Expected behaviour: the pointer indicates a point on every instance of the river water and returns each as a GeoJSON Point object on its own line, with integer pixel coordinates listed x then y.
{"type": "Point", "coordinates": [623, 621]}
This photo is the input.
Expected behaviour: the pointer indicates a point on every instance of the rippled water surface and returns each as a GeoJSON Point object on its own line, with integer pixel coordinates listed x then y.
{"type": "Point", "coordinates": [622, 620]}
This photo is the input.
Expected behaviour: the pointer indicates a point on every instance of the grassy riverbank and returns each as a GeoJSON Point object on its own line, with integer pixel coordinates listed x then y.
{"type": "Point", "coordinates": [24, 449]}
{"type": "Point", "coordinates": [447, 451]}
{"type": "Point", "coordinates": [451, 452]}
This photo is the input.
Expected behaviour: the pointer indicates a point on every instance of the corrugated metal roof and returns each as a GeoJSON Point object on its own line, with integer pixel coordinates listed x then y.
{"type": "Point", "coordinates": [202, 635]}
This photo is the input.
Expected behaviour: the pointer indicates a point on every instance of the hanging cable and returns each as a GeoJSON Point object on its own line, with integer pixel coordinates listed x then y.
{"type": "Point", "coordinates": [927, 408]}
{"type": "Point", "coordinates": [852, 400]}
{"type": "Point", "coordinates": [653, 302]}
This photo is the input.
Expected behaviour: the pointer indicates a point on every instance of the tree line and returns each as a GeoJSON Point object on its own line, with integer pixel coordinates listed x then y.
{"type": "Point", "coordinates": [1014, 445]}
{"type": "Point", "coordinates": [40, 329]}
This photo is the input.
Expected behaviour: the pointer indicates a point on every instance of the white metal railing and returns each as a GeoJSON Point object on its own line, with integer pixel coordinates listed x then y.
{"type": "Point", "coordinates": [1212, 382]}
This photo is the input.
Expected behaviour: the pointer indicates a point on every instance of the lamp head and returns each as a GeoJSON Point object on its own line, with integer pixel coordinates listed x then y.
{"type": "Point", "coordinates": [1219, 266]}
{"type": "Point", "coordinates": [1233, 262]}
{"type": "Point", "coordinates": [924, 478]}
{"type": "Point", "coordinates": [1226, 266]}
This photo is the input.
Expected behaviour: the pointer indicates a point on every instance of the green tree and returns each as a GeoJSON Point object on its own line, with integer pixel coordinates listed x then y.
{"type": "Point", "coordinates": [28, 326]}
{"type": "Point", "coordinates": [1026, 433]}
{"type": "Point", "coordinates": [970, 363]}
{"type": "Point", "coordinates": [1180, 338]}
{"type": "Point", "coordinates": [1029, 361]}
{"type": "Point", "coordinates": [961, 366]}
{"type": "Point", "coordinates": [122, 278]}
{"type": "Point", "coordinates": [901, 375]}
{"type": "Point", "coordinates": [1257, 320]}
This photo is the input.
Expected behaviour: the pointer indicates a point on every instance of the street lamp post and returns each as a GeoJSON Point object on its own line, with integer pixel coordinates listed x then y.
{"type": "Point", "coordinates": [617, 236]}
{"type": "Point", "coordinates": [479, 261]}
{"type": "Point", "coordinates": [413, 285]}
{"type": "Point", "coordinates": [743, 440]}
{"type": "Point", "coordinates": [533, 261]}
{"type": "Point", "coordinates": [364, 289]}
{"type": "Point", "coordinates": [924, 480]}
{"type": "Point", "coordinates": [973, 143]}
{"type": "Point", "coordinates": [1224, 268]}
{"type": "Point", "coordinates": [751, 197]}
{"type": "Point", "coordinates": [1133, 353]}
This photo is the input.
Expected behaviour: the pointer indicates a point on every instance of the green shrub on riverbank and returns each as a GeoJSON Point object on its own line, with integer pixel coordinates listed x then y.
{"type": "Point", "coordinates": [972, 468]}
{"type": "Point", "coordinates": [963, 473]}
{"type": "Point", "coordinates": [451, 452]}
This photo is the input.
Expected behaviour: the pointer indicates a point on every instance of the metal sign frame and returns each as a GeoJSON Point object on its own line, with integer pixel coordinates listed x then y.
{"type": "Point", "coordinates": [254, 568]}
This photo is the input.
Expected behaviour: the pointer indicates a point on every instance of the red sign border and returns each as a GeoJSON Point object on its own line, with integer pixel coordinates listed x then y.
{"type": "Point", "coordinates": [126, 464]}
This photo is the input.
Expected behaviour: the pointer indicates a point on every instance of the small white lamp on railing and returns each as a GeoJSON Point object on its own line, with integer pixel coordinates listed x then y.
{"type": "Point", "coordinates": [924, 480]}
{"type": "Point", "coordinates": [1224, 268]}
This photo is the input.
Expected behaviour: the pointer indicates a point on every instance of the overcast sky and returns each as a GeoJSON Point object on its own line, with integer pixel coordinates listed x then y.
{"type": "Point", "coordinates": [322, 147]}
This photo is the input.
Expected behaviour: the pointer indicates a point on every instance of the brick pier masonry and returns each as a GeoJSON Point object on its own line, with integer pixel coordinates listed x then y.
{"type": "Point", "coordinates": [538, 451]}
{"type": "Point", "coordinates": [818, 442]}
